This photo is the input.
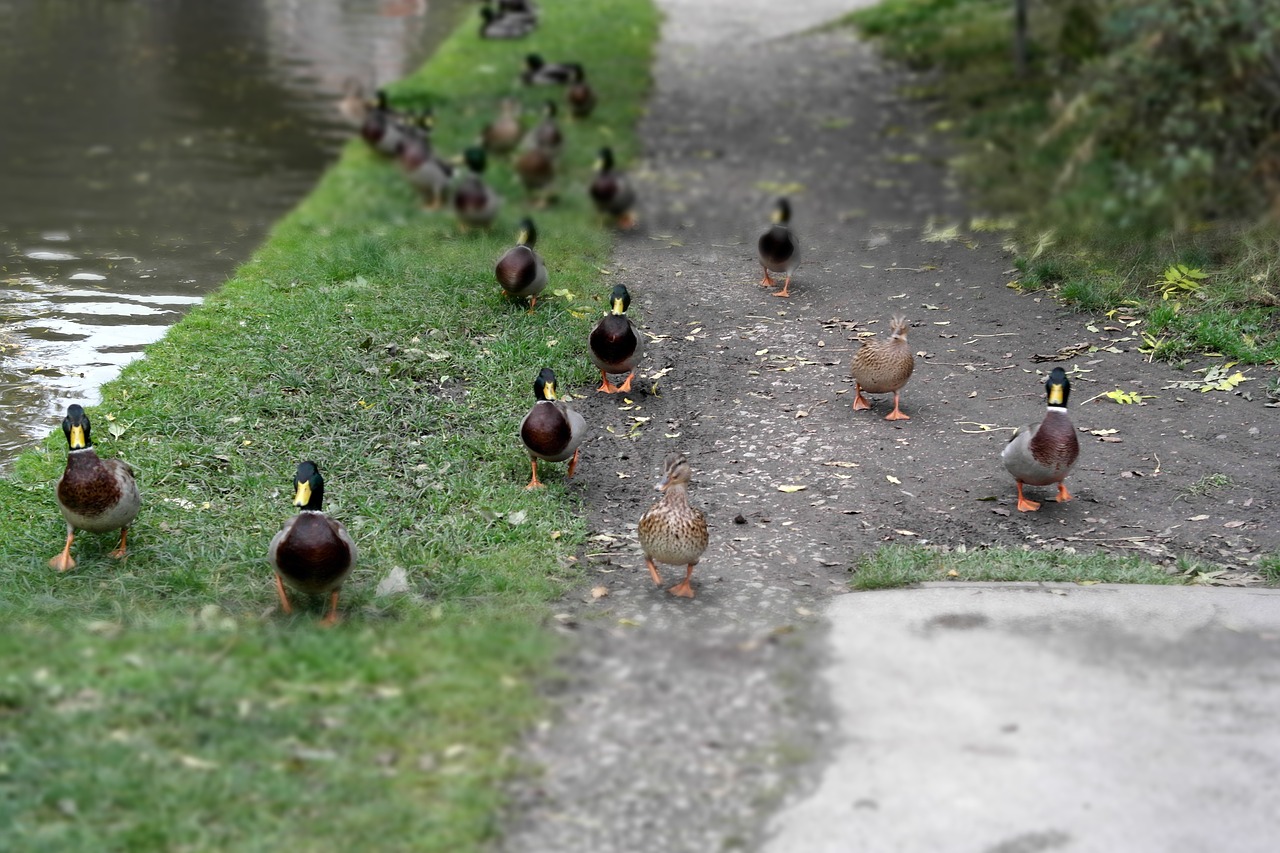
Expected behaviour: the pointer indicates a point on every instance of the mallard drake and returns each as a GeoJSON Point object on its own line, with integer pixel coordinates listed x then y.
{"type": "Point", "coordinates": [612, 192]}
{"type": "Point", "coordinates": [671, 531]}
{"type": "Point", "coordinates": [552, 430]}
{"type": "Point", "coordinates": [538, 72]}
{"type": "Point", "coordinates": [883, 365]}
{"type": "Point", "coordinates": [1042, 454]}
{"type": "Point", "coordinates": [504, 133]}
{"type": "Point", "coordinates": [500, 24]}
{"type": "Point", "coordinates": [580, 96]}
{"type": "Point", "coordinates": [474, 201]}
{"type": "Point", "coordinates": [312, 553]}
{"type": "Point", "coordinates": [382, 127]}
{"type": "Point", "coordinates": [778, 249]}
{"type": "Point", "coordinates": [94, 494]}
{"type": "Point", "coordinates": [429, 174]}
{"type": "Point", "coordinates": [520, 270]}
{"type": "Point", "coordinates": [614, 344]}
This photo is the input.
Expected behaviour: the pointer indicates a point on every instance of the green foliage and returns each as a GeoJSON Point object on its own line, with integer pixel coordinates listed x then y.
{"type": "Point", "coordinates": [1178, 281]}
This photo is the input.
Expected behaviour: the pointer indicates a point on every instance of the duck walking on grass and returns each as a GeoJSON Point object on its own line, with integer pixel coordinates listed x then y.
{"type": "Point", "coordinates": [520, 270]}
{"type": "Point", "coordinates": [552, 430]}
{"type": "Point", "coordinates": [671, 531]}
{"type": "Point", "coordinates": [538, 72]}
{"type": "Point", "coordinates": [580, 96]}
{"type": "Point", "coordinates": [881, 366]}
{"type": "Point", "coordinates": [312, 553]}
{"type": "Point", "coordinates": [94, 494]}
{"type": "Point", "coordinates": [1042, 454]}
{"type": "Point", "coordinates": [503, 134]}
{"type": "Point", "coordinates": [614, 343]}
{"type": "Point", "coordinates": [612, 192]}
{"type": "Point", "coordinates": [474, 201]}
{"type": "Point", "coordinates": [778, 249]}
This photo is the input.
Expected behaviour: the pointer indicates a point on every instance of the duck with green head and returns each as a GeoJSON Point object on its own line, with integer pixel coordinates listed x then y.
{"type": "Point", "coordinates": [312, 553]}
{"type": "Point", "coordinates": [1042, 454]}
{"type": "Point", "coordinates": [94, 494]}
{"type": "Point", "coordinates": [612, 192]}
{"type": "Point", "coordinates": [552, 430]}
{"type": "Point", "coordinates": [521, 271]}
{"type": "Point", "coordinates": [614, 343]}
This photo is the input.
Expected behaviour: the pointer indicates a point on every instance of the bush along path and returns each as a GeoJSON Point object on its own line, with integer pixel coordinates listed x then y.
{"type": "Point", "coordinates": [684, 723]}
{"type": "Point", "coordinates": [164, 702]}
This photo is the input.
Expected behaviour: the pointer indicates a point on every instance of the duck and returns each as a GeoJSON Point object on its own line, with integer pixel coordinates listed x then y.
{"type": "Point", "coordinates": [778, 249]}
{"type": "Point", "coordinates": [552, 430]}
{"type": "Point", "coordinates": [474, 201]}
{"type": "Point", "coordinates": [355, 103]}
{"type": "Point", "coordinates": [426, 171]}
{"type": "Point", "coordinates": [94, 494]}
{"type": "Point", "coordinates": [382, 127]}
{"type": "Point", "coordinates": [612, 192]}
{"type": "Point", "coordinates": [520, 270]}
{"type": "Point", "coordinates": [501, 24]}
{"type": "Point", "coordinates": [546, 134]}
{"type": "Point", "coordinates": [312, 553]}
{"type": "Point", "coordinates": [503, 134]}
{"type": "Point", "coordinates": [614, 343]}
{"type": "Point", "coordinates": [1042, 454]}
{"type": "Point", "coordinates": [538, 72]}
{"type": "Point", "coordinates": [580, 96]}
{"type": "Point", "coordinates": [883, 365]}
{"type": "Point", "coordinates": [672, 531]}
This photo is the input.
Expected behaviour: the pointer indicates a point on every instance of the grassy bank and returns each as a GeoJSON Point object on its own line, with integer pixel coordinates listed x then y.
{"type": "Point", "coordinates": [1122, 204]}
{"type": "Point", "coordinates": [164, 703]}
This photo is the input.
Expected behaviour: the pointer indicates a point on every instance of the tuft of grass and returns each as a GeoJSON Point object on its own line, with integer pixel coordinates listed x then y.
{"type": "Point", "coordinates": [1269, 568]}
{"type": "Point", "coordinates": [162, 703]}
{"type": "Point", "coordinates": [902, 565]}
{"type": "Point", "coordinates": [1207, 485]}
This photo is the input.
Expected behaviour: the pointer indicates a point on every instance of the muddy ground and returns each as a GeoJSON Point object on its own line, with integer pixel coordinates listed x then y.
{"type": "Point", "coordinates": [682, 725]}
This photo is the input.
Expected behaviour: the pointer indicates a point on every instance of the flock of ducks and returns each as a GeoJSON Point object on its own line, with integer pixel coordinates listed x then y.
{"type": "Point", "coordinates": [314, 554]}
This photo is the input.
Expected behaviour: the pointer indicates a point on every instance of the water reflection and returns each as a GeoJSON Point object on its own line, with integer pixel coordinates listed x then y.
{"type": "Point", "coordinates": [147, 148]}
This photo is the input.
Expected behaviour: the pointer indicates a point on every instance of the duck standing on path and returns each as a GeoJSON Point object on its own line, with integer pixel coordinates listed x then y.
{"type": "Point", "coordinates": [474, 201]}
{"type": "Point", "coordinates": [612, 192]}
{"type": "Point", "coordinates": [671, 531]}
{"type": "Point", "coordinates": [552, 430]}
{"type": "Point", "coordinates": [312, 553]}
{"type": "Point", "coordinates": [94, 494]}
{"type": "Point", "coordinates": [883, 365]}
{"type": "Point", "coordinates": [778, 249]}
{"type": "Point", "coordinates": [614, 343]}
{"type": "Point", "coordinates": [1042, 454]}
{"type": "Point", "coordinates": [520, 270]}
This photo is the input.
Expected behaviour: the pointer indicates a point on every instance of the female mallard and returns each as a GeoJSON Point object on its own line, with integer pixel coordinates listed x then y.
{"type": "Point", "coordinates": [503, 134]}
{"type": "Point", "coordinates": [94, 494]}
{"type": "Point", "coordinates": [612, 192]}
{"type": "Point", "coordinates": [671, 531]}
{"type": "Point", "coordinates": [551, 430]}
{"type": "Point", "coordinates": [614, 344]}
{"type": "Point", "coordinates": [580, 96]}
{"type": "Point", "coordinates": [881, 366]}
{"type": "Point", "coordinates": [500, 24]}
{"type": "Point", "coordinates": [312, 553]}
{"type": "Point", "coordinates": [520, 270]}
{"type": "Point", "coordinates": [538, 72]}
{"type": "Point", "coordinates": [474, 201]}
{"type": "Point", "coordinates": [429, 174]}
{"type": "Point", "coordinates": [779, 252]}
{"type": "Point", "coordinates": [1042, 454]}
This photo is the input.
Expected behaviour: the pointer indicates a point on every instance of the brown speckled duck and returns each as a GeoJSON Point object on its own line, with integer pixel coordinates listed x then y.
{"type": "Point", "coordinates": [552, 430]}
{"type": "Point", "coordinates": [778, 249]}
{"type": "Point", "coordinates": [312, 553]}
{"type": "Point", "coordinates": [612, 192]}
{"type": "Point", "coordinates": [94, 494]}
{"type": "Point", "coordinates": [520, 270]}
{"type": "Point", "coordinates": [671, 531]}
{"type": "Point", "coordinates": [883, 365]}
{"type": "Point", "coordinates": [1042, 454]}
{"type": "Point", "coordinates": [614, 343]}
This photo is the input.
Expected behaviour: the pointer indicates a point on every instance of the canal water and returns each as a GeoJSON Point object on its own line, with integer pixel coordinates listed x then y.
{"type": "Point", "coordinates": [146, 149]}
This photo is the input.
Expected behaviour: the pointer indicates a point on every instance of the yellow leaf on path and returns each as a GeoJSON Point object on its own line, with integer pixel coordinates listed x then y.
{"type": "Point", "coordinates": [792, 488]}
{"type": "Point", "coordinates": [599, 591]}
{"type": "Point", "coordinates": [893, 479]}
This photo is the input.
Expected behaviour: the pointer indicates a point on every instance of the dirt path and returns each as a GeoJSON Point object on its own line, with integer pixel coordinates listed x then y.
{"type": "Point", "coordinates": [686, 723]}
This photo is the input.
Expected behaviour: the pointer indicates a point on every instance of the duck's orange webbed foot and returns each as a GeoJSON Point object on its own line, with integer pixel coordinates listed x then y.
{"type": "Point", "coordinates": [1063, 494]}
{"type": "Point", "coordinates": [684, 589]}
{"type": "Point", "coordinates": [896, 414]}
{"type": "Point", "coordinates": [653, 572]}
{"type": "Point", "coordinates": [860, 400]}
{"type": "Point", "coordinates": [1024, 503]}
{"type": "Point", "coordinates": [284, 598]}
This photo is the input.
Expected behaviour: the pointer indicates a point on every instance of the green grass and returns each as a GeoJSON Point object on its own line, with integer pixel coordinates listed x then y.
{"type": "Point", "coordinates": [900, 565]}
{"type": "Point", "coordinates": [370, 336]}
{"type": "Point", "coordinates": [1016, 161]}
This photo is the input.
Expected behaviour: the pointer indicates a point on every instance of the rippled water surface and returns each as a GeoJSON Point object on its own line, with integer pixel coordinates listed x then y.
{"type": "Point", "coordinates": [147, 147]}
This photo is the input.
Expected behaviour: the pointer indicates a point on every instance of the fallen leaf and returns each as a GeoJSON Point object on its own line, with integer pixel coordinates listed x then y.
{"type": "Point", "coordinates": [893, 479]}
{"type": "Point", "coordinates": [792, 488]}
{"type": "Point", "coordinates": [517, 517]}
{"type": "Point", "coordinates": [1197, 518]}
{"type": "Point", "coordinates": [599, 591]}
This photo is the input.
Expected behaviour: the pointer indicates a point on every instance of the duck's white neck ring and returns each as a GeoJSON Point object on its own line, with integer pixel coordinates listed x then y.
{"type": "Point", "coordinates": [1062, 409]}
